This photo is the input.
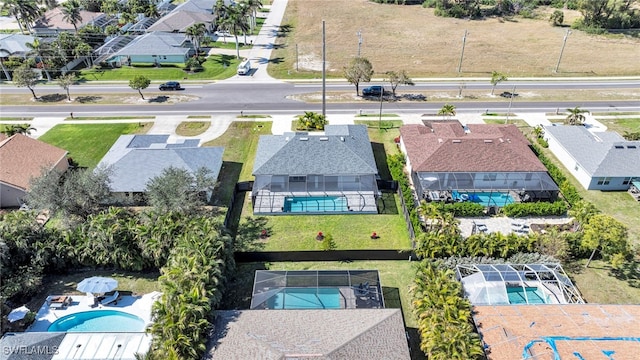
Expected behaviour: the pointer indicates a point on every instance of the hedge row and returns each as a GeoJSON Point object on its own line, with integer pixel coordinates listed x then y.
{"type": "Point", "coordinates": [465, 209]}
{"type": "Point", "coordinates": [542, 208]}
{"type": "Point", "coordinates": [396, 168]}
{"type": "Point", "coordinates": [568, 190]}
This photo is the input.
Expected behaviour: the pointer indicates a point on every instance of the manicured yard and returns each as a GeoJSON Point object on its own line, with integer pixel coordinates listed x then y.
{"type": "Point", "coordinates": [240, 142]}
{"type": "Point", "coordinates": [192, 128]}
{"type": "Point", "coordinates": [598, 285]}
{"type": "Point", "coordinates": [88, 143]}
{"type": "Point", "coordinates": [381, 135]}
{"type": "Point", "coordinates": [216, 67]}
{"type": "Point", "coordinates": [621, 125]}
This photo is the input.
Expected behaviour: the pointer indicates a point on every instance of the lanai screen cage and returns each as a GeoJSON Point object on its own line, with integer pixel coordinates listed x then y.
{"type": "Point", "coordinates": [500, 284]}
{"type": "Point", "coordinates": [269, 284]}
{"type": "Point", "coordinates": [538, 185]}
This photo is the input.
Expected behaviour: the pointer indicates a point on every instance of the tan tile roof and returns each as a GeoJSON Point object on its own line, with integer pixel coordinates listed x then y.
{"type": "Point", "coordinates": [22, 158]}
{"type": "Point", "coordinates": [53, 19]}
{"type": "Point", "coordinates": [446, 147]}
{"type": "Point", "coordinates": [563, 331]}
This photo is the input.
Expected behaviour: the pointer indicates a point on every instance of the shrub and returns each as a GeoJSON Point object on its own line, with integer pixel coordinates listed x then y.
{"type": "Point", "coordinates": [557, 208]}
{"type": "Point", "coordinates": [557, 17]}
{"type": "Point", "coordinates": [327, 243]}
{"type": "Point", "coordinates": [467, 209]}
{"type": "Point", "coordinates": [542, 142]}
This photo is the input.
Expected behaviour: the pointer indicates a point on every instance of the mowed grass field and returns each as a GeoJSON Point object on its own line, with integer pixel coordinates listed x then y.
{"type": "Point", "coordinates": [412, 38]}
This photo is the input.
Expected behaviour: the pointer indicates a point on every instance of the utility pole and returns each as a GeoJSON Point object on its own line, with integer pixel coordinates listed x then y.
{"type": "Point", "coordinates": [359, 33]}
{"type": "Point", "coordinates": [324, 73]}
{"type": "Point", "coordinates": [380, 116]}
{"type": "Point", "coordinates": [464, 41]}
{"type": "Point", "coordinates": [564, 42]}
{"type": "Point", "coordinates": [297, 58]}
{"type": "Point", "coordinates": [513, 93]}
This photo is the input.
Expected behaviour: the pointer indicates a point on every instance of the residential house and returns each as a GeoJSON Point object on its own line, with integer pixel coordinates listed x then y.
{"type": "Point", "coordinates": [186, 14]}
{"type": "Point", "coordinates": [52, 22]}
{"type": "Point", "coordinates": [446, 158]}
{"type": "Point", "coordinates": [14, 45]}
{"type": "Point", "coordinates": [598, 160]}
{"type": "Point", "coordinates": [21, 159]}
{"type": "Point", "coordinates": [155, 48]}
{"type": "Point", "coordinates": [302, 172]}
{"type": "Point", "coordinates": [134, 160]}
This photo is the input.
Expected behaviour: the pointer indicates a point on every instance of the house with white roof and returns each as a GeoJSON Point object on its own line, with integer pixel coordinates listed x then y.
{"type": "Point", "coordinates": [598, 160]}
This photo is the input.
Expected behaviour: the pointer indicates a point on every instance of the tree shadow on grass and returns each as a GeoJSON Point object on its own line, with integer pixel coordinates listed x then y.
{"type": "Point", "coordinates": [284, 30]}
{"type": "Point", "coordinates": [88, 99]}
{"type": "Point", "coordinates": [252, 233]}
{"type": "Point", "coordinates": [222, 59]}
{"type": "Point", "coordinates": [387, 204]}
{"type": "Point", "coordinates": [392, 301]}
{"type": "Point", "coordinates": [629, 272]}
{"type": "Point", "coordinates": [52, 98]}
{"type": "Point", "coordinates": [240, 287]}
{"type": "Point", "coordinates": [380, 156]}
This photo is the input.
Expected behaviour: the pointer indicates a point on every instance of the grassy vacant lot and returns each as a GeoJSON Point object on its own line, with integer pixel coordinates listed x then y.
{"type": "Point", "coordinates": [88, 143]}
{"type": "Point", "coordinates": [192, 128]}
{"type": "Point", "coordinates": [216, 67]}
{"type": "Point", "coordinates": [136, 283]}
{"type": "Point", "coordinates": [411, 38]}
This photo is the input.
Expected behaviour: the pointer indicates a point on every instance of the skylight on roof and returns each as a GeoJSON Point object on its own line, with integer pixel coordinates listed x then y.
{"type": "Point", "coordinates": [619, 147]}
{"type": "Point", "coordinates": [304, 138]}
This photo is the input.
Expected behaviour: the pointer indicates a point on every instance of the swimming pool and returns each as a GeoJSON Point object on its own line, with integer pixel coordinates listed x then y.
{"type": "Point", "coordinates": [485, 198]}
{"type": "Point", "coordinates": [517, 295]}
{"type": "Point", "coordinates": [316, 204]}
{"type": "Point", "coordinates": [98, 321]}
{"type": "Point", "coordinates": [306, 298]}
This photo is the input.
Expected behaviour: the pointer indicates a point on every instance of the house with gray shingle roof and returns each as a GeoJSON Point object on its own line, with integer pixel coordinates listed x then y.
{"type": "Point", "coordinates": [354, 334]}
{"type": "Point", "coordinates": [598, 160]}
{"type": "Point", "coordinates": [445, 157]}
{"type": "Point", "coordinates": [155, 48]}
{"type": "Point", "coordinates": [134, 160]}
{"type": "Point", "coordinates": [315, 173]}
{"type": "Point", "coordinates": [14, 45]}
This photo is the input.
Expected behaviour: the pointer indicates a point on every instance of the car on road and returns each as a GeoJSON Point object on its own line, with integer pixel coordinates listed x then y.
{"type": "Point", "coordinates": [170, 85]}
{"type": "Point", "coordinates": [375, 90]}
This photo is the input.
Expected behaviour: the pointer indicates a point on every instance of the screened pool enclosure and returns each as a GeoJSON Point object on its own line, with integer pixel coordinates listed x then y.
{"type": "Point", "coordinates": [502, 284]}
{"type": "Point", "coordinates": [322, 289]}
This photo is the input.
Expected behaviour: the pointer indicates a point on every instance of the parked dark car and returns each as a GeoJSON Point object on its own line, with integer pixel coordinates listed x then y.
{"type": "Point", "coordinates": [375, 90]}
{"type": "Point", "coordinates": [171, 85]}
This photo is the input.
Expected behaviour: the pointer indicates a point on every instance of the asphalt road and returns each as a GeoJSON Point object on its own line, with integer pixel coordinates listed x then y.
{"type": "Point", "coordinates": [271, 98]}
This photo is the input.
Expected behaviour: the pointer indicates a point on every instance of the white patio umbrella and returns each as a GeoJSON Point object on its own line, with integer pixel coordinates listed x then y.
{"type": "Point", "coordinates": [18, 313]}
{"type": "Point", "coordinates": [97, 284]}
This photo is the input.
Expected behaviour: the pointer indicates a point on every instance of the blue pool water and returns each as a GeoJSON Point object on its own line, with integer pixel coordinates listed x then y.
{"type": "Point", "coordinates": [485, 198]}
{"type": "Point", "coordinates": [98, 321]}
{"type": "Point", "coordinates": [315, 204]}
{"type": "Point", "coordinates": [517, 295]}
{"type": "Point", "coordinates": [306, 298]}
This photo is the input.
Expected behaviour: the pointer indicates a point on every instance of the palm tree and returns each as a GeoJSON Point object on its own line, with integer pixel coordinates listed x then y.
{"type": "Point", "coordinates": [83, 50]}
{"type": "Point", "coordinates": [41, 51]}
{"type": "Point", "coordinates": [13, 129]}
{"type": "Point", "coordinates": [65, 82]}
{"type": "Point", "coordinates": [71, 13]}
{"type": "Point", "coordinates": [252, 6]}
{"type": "Point", "coordinates": [196, 33]}
{"type": "Point", "coordinates": [24, 11]}
{"type": "Point", "coordinates": [151, 11]}
{"type": "Point", "coordinates": [235, 22]}
{"type": "Point", "coordinates": [447, 111]}
{"type": "Point", "coordinates": [496, 78]}
{"type": "Point", "coordinates": [575, 116]}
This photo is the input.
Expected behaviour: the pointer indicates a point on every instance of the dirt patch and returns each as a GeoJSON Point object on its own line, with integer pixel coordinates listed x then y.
{"type": "Point", "coordinates": [412, 38]}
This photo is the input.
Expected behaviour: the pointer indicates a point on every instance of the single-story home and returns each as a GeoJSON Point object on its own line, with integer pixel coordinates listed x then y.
{"type": "Point", "coordinates": [14, 45]}
{"type": "Point", "coordinates": [177, 21]}
{"type": "Point", "coordinates": [21, 159]}
{"type": "Point", "coordinates": [598, 160]}
{"type": "Point", "coordinates": [334, 171]}
{"type": "Point", "coordinates": [52, 22]}
{"type": "Point", "coordinates": [156, 48]}
{"type": "Point", "coordinates": [493, 163]}
{"type": "Point", "coordinates": [134, 160]}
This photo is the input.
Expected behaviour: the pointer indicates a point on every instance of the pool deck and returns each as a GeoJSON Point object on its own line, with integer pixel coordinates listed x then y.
{"type": "Point", "coordinates": [507, 225]}
{"type": "Point", "coordinates": [267, 202]}
{"type": "Point", "coordinates": [136, 305]}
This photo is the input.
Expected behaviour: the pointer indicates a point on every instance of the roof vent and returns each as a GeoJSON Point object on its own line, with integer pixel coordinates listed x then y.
{"type": "Point", "coordinates": [501, 140]}
{"type": "Point", "coordinates": [619, 147]}
{"type": "Point", "coordinates": [324, 138]}
{"type": "Point", "coordinates": [286, 139]}
{"type": "Point", "coordinates": [631, 146]}
{"type": "Point", "coordinates": [487, 141]}
{"type": "Point", "coordinates": [304, 138]}
{"type": "Point", "coordinates": [341, 138]}
{"type": "Point", "coordinates": [456, 141]}
{"type": "Point", "coordinates": [439, 141]}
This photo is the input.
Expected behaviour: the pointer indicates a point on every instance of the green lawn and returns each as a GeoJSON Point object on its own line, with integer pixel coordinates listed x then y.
{"type": "Point", "coordinates": [216, 67]}
{"type": "Point", "coordinates": [599, 284]}
{"type": "Point", "coordinates": [381, 135]}
{"type": "Point", "coordinates": [622, 125]}
{"type": "Point", "coordinates": [88, 143]}
{"type": "Point", "coordinates": [192, 128]}
{"type": "Point", "coordinates": [240, 142]}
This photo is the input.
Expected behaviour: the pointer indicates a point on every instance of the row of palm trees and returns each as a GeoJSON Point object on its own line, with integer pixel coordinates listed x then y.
{"type": "Point", "coordinates": [237, 19]}
{"type": "Point", "coordinates": [26, 12]}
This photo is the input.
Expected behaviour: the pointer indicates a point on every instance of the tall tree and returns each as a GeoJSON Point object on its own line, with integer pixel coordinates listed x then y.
{"type": "Point", "coordinates": [606, 234]}
{"type": "Point", "coordinates": [359, 70]}
{"type": "Point", "coordinates": [24, 11]}
{"type": "Point", "coordinates": [73, 195]}
{"type": "Point", "coordinates": [252, 6]}
{"type": "Point", "coordinates": [65, 82]}
{"type": "Point", "coordinates": [23, 76]}
{"type": "Point", "coordinates": [575, 116]}
{"type": "Point", "coordinates": [180, 190]}
{"type": "Point", "coordinates": [42, 52]}
{"type": "Point", "coordinates": [234, 21]}
{"type": "Point", "coordinates": [139, 82]}
{"type": "Point", "coordinates": [496, 78]}
{"type": "Point", "coordinates": [196, 33]}
{"type": "Point", "coordinates": [398, 78]}
{"type": "Point", "coordinates": [71, 13]}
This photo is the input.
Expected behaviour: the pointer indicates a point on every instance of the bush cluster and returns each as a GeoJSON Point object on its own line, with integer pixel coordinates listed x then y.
{"type": "Point", "coordinates": [465, 209]}
{"type": "Point", "coordinates": [541, 208]}
{"type": "Point", "coordinates": [396, 168]}
{"type": "Point", "coordinates": [569, 191]}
